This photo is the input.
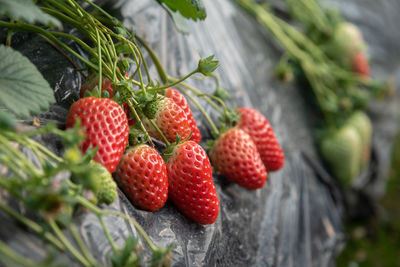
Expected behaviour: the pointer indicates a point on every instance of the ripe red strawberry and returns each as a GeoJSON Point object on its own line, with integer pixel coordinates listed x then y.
{"type": "Point", "coordinates": [257, 126]}
{"type": "Point", "coordinates": [191, 187]}
{"type": "Point", "coordinates": [106, 127]}
{"type": "Point", "coordinates": [180, 100]}
{"type": "Point", "coordinates": [235, 156]}
{"type": "Point", "coordinates": [359, 63]}
{"type": "Point", "coordinates": [142, 175]}
{"type": "Point", "coordinates": [171, 120]}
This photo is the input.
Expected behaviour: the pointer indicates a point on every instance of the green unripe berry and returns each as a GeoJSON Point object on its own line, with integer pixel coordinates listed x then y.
{"type": "Point", "coordinates": [107, 189]}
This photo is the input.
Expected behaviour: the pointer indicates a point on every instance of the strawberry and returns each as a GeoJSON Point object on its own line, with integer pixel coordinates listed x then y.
{"type": "Point", "coordinates": [180, 100]}
{"type": "Point", "coordinates": [171, 120]}
{"type": "Point", "coordinates": [191, 187]}
{"type": "Point", "coordinates": [359, 64]}
{"type": "Point", "coordinates": [347, 39]}
{"type": "Point", "coordinates": [142, 175]}
{"type": "Point", "coordinates": [257, 126]}
{"type": "Point", "coordinates": [235, 156]}
{"type": "Point", "coordinates": [362, 124]}
{"type": "Point", "coordinates": [342, 151]}
{"type": "Point", "coordinates": [106, 127]}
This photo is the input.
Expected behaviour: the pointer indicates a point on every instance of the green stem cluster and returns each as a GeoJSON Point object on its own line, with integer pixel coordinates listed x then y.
{"type": "Point", "coordinates": [19, 184]}
{"type": "Point", "coordinates": [106, 59]}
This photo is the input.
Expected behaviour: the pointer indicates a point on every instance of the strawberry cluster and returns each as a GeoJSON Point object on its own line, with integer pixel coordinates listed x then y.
{"type": "Point", "coordinates": [182, 172]}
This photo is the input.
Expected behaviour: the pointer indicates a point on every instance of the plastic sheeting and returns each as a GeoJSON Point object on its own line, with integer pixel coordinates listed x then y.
{"type": "Point", "coordinates": [295, 220]}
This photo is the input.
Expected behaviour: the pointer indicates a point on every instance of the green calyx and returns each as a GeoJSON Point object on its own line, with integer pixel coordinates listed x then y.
{"type": "Point", "coordinates": [228, 119]}
{"type": "Point", "coordinates": [169, 151]}
{"type": "Point", "coordinates": [151, 108]}
{"type": "Point", "coordinates": [207, 65]}
{"type": "Point", "coordinates": [147, 103]}
{"type": "Point", "coordinates": [137, 136]}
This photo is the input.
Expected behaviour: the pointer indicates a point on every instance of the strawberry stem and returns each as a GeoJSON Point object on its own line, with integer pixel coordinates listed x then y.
{"type": "Point", "coordinates": [13, 256]}
{"type": "Point", "coordinates": [78, 240]}
{"type": "Point", "coordinates": [100, 70]}
{"type": "Point", "coordinates": [138, 120]}
{"type": "Point", "coordinates": [310, 57]}
{"type": "Point", "coordinates": [23, 163]}
{"type": "Point", "coordinates": [9, 34]}
{"type": "Point", "coordinates": [32, 28]}
{"type": "Point", "coordinates": [160, 132]}
{"type": "Point", "coordinates": [198, 93]}
{"type": "Point", "coordinates": [53, 225]}
{"type": "Point", "coordinates": [107, 233]}
{"type": "Point", "coordinates": [33, 226]}
{"type": "Point", "coordinates": [144, 63]}
{"type": "Point", "coordinates": [178, 80]}
{"type": "Point", "coordinates": [160, 69]}
{"type": "Point", "coordinates": [100, 212]}
{"type": "Point", "coordinates": [99, 9]}
{"type": "Point", "coordinates": [136, 224]}
{"type": "Point", "coordinates": [138, 64]}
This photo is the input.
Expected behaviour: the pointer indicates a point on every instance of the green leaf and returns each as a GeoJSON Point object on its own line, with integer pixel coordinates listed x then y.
{"type": "Point", "coordinates": [190, 9]}
{"type": "Point", "coordinates": [7, 122]}
{"type": "Point", "coordinates": [27, 11]}
{"type": "Point", "coordinates": [179, 21]}
{"type": "Point", "coordinates": [23, 90]}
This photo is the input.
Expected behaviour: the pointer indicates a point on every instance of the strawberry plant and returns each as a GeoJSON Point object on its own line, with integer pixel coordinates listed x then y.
{"type": "Point", "coordinates": [55, 189]}
{"type": "Point", "coordinates": [260, 133]}
{"type": "Point", "coordinates": [113, 128]}
{"type": "Point", "coordinates": [98, 126]}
